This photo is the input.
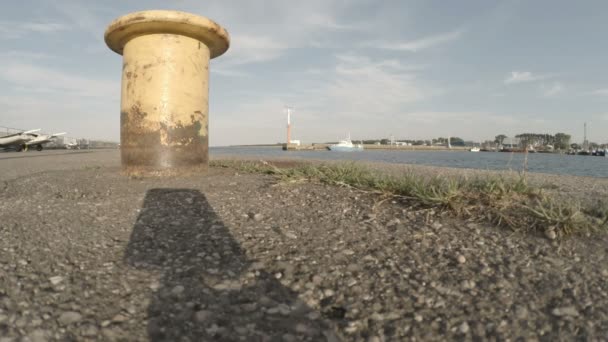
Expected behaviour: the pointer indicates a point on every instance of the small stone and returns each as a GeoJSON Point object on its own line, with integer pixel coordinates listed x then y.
{"type": "Point", "coordinates": [288, 338]}
{"type": "Point", "coordinates": [278, 275]}
{"type": "Point", "coordinates": [305, 329]}
{"type": "Point", "coordinates": [109, 334]}
{"type": "Point", "coordinates": [418, 318]}
{"type": "Point", "coordinates": [214, 329]}
{"type": "Point", "coordinates": [605, 272]}
{"type": "Point", "coordinates": [328, 292]}
{"type": "Point", "coordinates": [120, 318]}
{"type": "Point", "coordinates": [177, 290]}
{"type": "Point", "coordinates": [69, 317]}
{"type": "Point", "coordinates": [258, 217]}
{"type": "Point", "coordinates": [374, 339]}
{"type": "Point", "coordinates": [154, 286]}
{"type": "Point", "coordinates": [37, 336]}
{"type": "Point", "coordinates": [241, 330]}
{"type": "Point", "coordinates": [316, 279]}
{"type": "Point", "coordinates": [461, 259]}
{"type": "Point", "coordinates": [90, 330]}
{"type": "Point", "coordinates": [249, 307]}
{"type": "Point", "coordinates": [550, 234]}
{"type": "Point", "coordinates": [348, 252]}
{"type": "Point", "coordinates": [377, 317]}
{"type": "Point", "coordinates": [464, 327]}
{"type": "Point", "coordinates": [565, 311]}
{"type": "Point", "coordinates": [56, 280]}
{"type": "Point", "coordinates": [284, 309]}
{"type": "Point", "coordinates": [393, 222]}
{"type": "Point", "coordinates": [331, 336]}
{"type": "Point", "coordinates": [256, 266]}
{"type": "Point", "coordinates": [291, 235]}
{"type": "Point", "coordinates": [353, 268]}
{"type": "Point", "coordinates": [20, 323]}
{"type": "Point", "coordinates": [467, 284]}
{"type": "Point", "coordinates": [314, 315]}
{"type": "Point", "coordinates": [521, 313]}
{"type": "Point", "coordinates": [272, 311]}
{"type": "Point", "coordinates": [472, 225]}
{"type": "Point", "coordinates": [369, 216]}
{"type": "Point", "coordinates": [351, 329]}
{"type": "Point", "coordinates": [203, 316]}
{"type": "Point", "coordinates": [436, 225]}
{"type": "Point", "coordinates": [266, 301]}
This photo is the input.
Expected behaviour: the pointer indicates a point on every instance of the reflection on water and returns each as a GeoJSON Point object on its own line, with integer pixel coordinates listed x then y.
{"type": "Point", "coordinates": [537, 162]}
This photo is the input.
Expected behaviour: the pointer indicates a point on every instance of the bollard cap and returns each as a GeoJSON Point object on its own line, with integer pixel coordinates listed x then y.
{"type": "Point", "coordinates": [132, 25]}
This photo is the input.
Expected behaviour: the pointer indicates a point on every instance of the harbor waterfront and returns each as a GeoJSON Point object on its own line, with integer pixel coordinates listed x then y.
{"type": "Point", "coordinates": [560, 164]}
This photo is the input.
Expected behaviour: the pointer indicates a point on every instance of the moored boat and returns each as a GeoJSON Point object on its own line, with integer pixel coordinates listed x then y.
{"type": "Point", "coordinates": [345, 146]}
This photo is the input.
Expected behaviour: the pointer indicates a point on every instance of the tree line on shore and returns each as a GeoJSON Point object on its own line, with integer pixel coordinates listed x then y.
{"type": "Point", "coordinates": [557, 141]}
{"type": "Point", "coordinates": [454, 141]}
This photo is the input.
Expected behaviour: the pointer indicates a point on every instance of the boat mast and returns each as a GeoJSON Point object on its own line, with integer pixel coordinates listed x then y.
{"type": "Point", "coordinates": [585, 142]}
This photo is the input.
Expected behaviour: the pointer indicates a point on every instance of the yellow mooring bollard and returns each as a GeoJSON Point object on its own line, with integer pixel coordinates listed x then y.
{"type": "Point", "coordinates": [164, 108]}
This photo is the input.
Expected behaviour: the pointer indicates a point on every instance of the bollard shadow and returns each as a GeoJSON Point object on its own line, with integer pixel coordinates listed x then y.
{"type": "Point", "coordinates": [207, 291]}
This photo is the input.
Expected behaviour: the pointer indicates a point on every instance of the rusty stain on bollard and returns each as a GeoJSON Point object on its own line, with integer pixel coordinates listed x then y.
{"type": "Point", "coordinates": [165, 88]}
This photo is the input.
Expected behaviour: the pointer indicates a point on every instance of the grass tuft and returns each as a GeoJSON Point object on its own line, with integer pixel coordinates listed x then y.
{"type": "Point", "coordinates": [504, 201]}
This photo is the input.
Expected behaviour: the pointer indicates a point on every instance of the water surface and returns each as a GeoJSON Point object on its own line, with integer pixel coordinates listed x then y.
{"type": "Point", "coordinates": [537, 162]}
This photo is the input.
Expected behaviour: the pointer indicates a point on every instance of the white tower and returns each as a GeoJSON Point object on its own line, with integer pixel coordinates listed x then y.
{"type": "Point", "coordinates": [288, 110]}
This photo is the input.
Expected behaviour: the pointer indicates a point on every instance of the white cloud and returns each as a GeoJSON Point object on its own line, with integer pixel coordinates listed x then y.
{"type": "Point", "coordinates": [328, 22]}
{"type": "Point", "coordinates": [366, 87]}
{"type": "Point", "coordinates": [26, 77]}
{"type": "Point", "coordinates": [228, 72]}
{"type": "Point", "coordinates": [418, 44]}
{"type": "Point", "coordinates": [551, 90]}
{"type": "Point", "coordinates": [21, 55]}
{"type": "Point", "coordinates": [464, 118]}
{"type": "Point", "coordinates": [16, 30]}
{"type": "Point", "coordinates": [265, 33]}
{"type": "Point", "coordinates": [80, 117]}
{"type": "Point", "coordinates": [36, 96]}
{"type": "Point", "coordinates": [523, 76]}
{"type": "Point", "coordinates": [89, 17]}
{"type": "Point", "coordinates": [247, 49]}
{"type": "Point", "coordinates": [601, 92]}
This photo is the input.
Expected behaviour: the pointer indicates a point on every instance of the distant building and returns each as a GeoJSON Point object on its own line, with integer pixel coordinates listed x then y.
{"type": "Point", "coordinates": [295, 142]}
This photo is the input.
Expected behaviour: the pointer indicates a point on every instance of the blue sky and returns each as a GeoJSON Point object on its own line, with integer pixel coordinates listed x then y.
{"type": "Point", "coordinates": [413, 69]}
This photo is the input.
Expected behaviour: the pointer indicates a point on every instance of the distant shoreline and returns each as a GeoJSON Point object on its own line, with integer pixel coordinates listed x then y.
{"type": "Point", "coordinates": [322, 146]}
